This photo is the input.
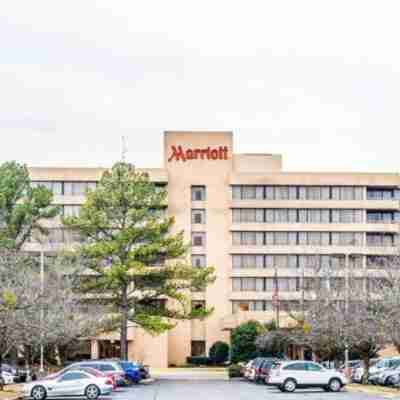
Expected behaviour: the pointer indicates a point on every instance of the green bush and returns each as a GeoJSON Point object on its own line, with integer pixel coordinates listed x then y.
{"type": "Point", "coordinates": [243, 341]}
{"type": "Point", "coordinates": [198, 360]}
{"type": "Point", "coordinates": [219, 353]}
{"type": "Point", "coordinates": [234, 371]}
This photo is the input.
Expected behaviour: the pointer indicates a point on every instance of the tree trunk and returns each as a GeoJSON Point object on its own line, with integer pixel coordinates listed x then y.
{"type": "Point", "coordinates": [366, 370]}
{"type": "Point", "coordinates": [124, 324]}
{"type": "Point", "coordinates": [1, 362]}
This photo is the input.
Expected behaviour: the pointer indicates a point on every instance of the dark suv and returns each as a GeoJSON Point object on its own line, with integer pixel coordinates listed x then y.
{"type": "Point", "coordinates": [261, 367]}
{"type": "Point", "coordinates": [266, 368]}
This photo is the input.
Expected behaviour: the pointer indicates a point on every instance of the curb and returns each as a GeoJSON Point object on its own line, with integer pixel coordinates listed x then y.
{"type": "Point", "coordinates": [13, 396]}
{"type": "Point", "coordinates": [388, 394]}
{"type": "Point", "coordinates": [147, 381]}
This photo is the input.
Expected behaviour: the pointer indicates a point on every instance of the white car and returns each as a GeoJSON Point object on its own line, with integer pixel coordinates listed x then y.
{"type": "Point", "coordinates": [71, 383]}
{"type": "Point", "coordinates": [288, 376]}
{"type": "Point", "coordinates": [7, 378]}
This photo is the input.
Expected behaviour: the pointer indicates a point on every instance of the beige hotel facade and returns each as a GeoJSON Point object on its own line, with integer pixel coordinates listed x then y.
{"type": "Point", "coordinates": [252, 221]}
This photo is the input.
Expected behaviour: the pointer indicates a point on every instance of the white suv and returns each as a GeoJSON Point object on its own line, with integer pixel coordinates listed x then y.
{"type": "Point", "coordinates": [288, 376]}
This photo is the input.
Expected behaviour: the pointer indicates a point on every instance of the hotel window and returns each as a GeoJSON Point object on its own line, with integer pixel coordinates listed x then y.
{"type": "Point", "coordinates": [251, 305]}
{"type": "Point", "coordinates": [199, 216]}
{"type": "Point", "coordinates": [53, 186]}
{"type": "Point", "coordinates": [244, 261]}
{"type": "Point", "coordinates": [382, 194]}
{"type": "Point", "coordinates": [380, 239]}
{"type": "Point", "coordinates": [198, 348]}
{"type": "Point", "coordinates": [198, 239]}
{"type": "Point", "coordinates": [265, 284]}
{"type": "Point", "coordinates": [71, 210]}
{"type": "Point", "coordinates": [248, 238]}
{"type": "Point", "coordinates": [78, 188]}
{"type": "Point", "coordinates": [198, 193]}
{"type": "Point", "coordinates": [198, 305]}
{"type": "Point", "coordinates": [383, 217]}
{"type": "Point", "coordinates": [347, 193]}
{"type": "Point", "coordinates": [376, 262]}
{"type": "Point", "coordinates": [199, 261]}
{"type": "Point", "coordinates": [346, 239]}
{"type": "Point", "coordinates": [248, 284]}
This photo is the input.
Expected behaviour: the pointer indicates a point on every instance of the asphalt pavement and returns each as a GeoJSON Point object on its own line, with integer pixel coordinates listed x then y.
{"type": "Point", "coordinates": [204, 389]}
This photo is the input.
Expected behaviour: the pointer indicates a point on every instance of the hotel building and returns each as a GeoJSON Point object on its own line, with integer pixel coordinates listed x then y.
{"type": "Point", "coordinates": [252, 221]}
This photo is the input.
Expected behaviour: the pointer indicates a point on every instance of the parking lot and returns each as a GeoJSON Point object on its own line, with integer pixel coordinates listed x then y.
{"type": "Point", "coordinates": [204, 389]}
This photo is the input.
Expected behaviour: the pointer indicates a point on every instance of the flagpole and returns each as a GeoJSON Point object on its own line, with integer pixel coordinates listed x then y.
{"type": "Point", "coordinates": [277, 297]}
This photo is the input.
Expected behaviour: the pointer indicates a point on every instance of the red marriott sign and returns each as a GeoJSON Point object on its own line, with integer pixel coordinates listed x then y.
{"type": "Point", "coordinates": [208, 153]}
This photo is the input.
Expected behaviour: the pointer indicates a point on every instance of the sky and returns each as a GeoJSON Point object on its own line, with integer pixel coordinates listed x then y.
{"type": "Point", "coordinates": [316, 81]}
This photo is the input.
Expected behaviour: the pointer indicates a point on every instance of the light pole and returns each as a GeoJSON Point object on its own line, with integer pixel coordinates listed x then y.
{"type": "Point", "coordinates": [41, 370]}
{"type": "Point", "coordinates": [346, 305]}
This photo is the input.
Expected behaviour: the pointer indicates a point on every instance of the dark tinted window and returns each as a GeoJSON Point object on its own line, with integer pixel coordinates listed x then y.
{"type": "Point", "coordinates": [106, 367]}
{"type": "Point", "coordinates": [295, 367]}
{"type": "Point", "coordinates": [88, 365]}
{"type": "Point", "coordinates": [395, 363]}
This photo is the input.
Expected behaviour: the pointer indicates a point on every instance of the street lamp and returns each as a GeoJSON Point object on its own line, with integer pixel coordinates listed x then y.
{"type": "Point", "coordinates": [41, 370]}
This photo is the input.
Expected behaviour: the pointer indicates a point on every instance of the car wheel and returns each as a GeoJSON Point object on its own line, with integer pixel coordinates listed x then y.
{"type": "Point", "coordinates": [335, 385]}
{"type": "Point", "coordinates": [281, 388]}
{"type": "Point", "coordinates": [289, 385]}
{"type": "Point", "coordinates": [92, 392]}
{"type": "Point", "coordinates": [38, 392]}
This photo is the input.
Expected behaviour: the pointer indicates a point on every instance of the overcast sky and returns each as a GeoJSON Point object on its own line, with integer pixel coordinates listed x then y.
{"type": "Point", "coordinates": [318, 81]}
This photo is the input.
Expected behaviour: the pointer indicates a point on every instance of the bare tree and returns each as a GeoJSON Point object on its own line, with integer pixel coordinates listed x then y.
{"type": "Point", "coordinates": [30, 317]}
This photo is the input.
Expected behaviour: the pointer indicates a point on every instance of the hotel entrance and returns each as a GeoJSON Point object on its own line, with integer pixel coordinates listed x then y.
{"type": "Point", "coordinates": [109, 349]}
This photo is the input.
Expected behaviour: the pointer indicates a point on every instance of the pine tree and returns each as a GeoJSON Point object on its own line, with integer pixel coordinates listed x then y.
{"type": "Point", "coordinates": [138, 263]}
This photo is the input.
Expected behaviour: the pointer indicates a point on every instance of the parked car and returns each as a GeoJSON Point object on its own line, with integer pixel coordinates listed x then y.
{"type": "Point", "coordinates": [132, 371]}
{"type": "Point", "coordinates": [382, 366]}
{"type": "Point", "coordinates": [69, 384]}
{"type": "Point", "coordinates": [384, 377]}
{"type": "Point", "coordinates": [248, 369]}
{"type": "Point", "coordinates": [358, 372]}
{"type": "Point", "coordinates": [265, 368]}
{"type": "Point", "coordinates": [6, 378]}
{"type": "Point", "coordinates": [288, 376]}
{"type": "Point", "coordinates": [21, 374]}
{"type": "Point", "coordinates": [352, 365]}
{"type": "Point", "coordinates": [110, 368]}
{"type": "Point", "coordinates": [255, 369]}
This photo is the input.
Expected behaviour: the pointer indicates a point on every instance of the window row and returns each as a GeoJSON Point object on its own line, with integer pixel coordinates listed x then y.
{"type": "Point", "coordinates": [381, 239]}
{"type": "Point", "coordinates": [264, 305]}
{"type": "Point", "coordinates": [383, 194]}
{"type": "Point", "coordinates": [316, 261]}
{"type": "Point", "coordinates": [57, 235]}
{"type": "Point", "coordinates": [297, 238]}
{"type": "Point", "coordinates": [66, 188]}
{"type": "Point", "coordinates": [293, 215]}
{"type": "Point", "coordinates": [70, 210]}
{"type": "Point", "coordinates": [265, 284]}
{"type": "Point", "coordinates": [261, 192]}
{"type": "Point", "coordinates": [295, 284]}
{"type": "Point", "coordinates": [383, 217]}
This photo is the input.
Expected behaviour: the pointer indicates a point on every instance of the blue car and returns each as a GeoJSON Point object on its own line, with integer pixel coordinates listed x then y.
{"type": "Point", "coordinates": [132, 371]}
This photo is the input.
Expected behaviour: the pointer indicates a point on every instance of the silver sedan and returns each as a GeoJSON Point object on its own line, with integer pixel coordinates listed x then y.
{"type": "Point", "coordinates": [71, 383]}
